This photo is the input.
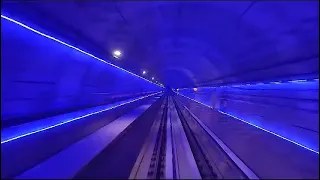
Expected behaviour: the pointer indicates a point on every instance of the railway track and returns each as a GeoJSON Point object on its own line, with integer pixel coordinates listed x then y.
{"type": "Point", "coordinates": [205, 168]}
{"type": "Point", "coordinates": [157, 164]}
{"type": "Point", "coordinates": [150, 162]}
{"type": "Point", "coordinates": [179, 147]}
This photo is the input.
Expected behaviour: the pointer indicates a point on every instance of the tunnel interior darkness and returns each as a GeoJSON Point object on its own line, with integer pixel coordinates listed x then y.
{"type": "Point", "coordinates": [177, 76]}
{"type": "Point", "coordinates": [257, 62]}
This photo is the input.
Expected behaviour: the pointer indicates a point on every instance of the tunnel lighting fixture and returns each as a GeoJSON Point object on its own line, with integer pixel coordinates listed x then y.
{"type": "Point", "coordinates": [117, 53]}
{"type": "Point", "coordinates": [195, 89]}
{"type": "Point", "coordinates": [152, 78]}
{"type": "Point", "coordinates": [73, 47]}
{"type": "Point", "coordinates": [268, 131]}
{"type": "Point", "coordinates": [74, 119]}
{"type": "Point", "coordinates": [144, 72]}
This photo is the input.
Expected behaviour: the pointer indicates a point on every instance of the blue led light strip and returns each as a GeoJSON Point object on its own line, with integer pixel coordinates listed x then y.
{"type": "Point", "coordinates": [259, 83]}
{"type": "Point", "coordinates": [253, 125]}
{"type": "Point", "coordinates": [74, 119]}
{"type": "Point", "coordinates": [61, 42]}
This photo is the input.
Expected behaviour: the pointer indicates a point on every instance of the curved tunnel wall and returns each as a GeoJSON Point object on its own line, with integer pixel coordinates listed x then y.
{"type": "Point", "coordinates": [289, 109]}
{"type": "Point", "coordinates": [41, 77]}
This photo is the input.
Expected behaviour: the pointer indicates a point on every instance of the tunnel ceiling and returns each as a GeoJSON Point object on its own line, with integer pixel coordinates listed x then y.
{"type": "Point", "coordinates": [185, 44]}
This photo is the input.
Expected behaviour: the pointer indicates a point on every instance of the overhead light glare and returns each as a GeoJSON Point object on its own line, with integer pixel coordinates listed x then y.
{"type": "Point", "coordinates": [144, 72]}
{"type": "Point", "coordinates": [117, 53]}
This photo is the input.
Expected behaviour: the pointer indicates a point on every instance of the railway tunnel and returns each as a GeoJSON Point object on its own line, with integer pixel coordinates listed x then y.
{"type": "Point", "coordinates": [159, 90]}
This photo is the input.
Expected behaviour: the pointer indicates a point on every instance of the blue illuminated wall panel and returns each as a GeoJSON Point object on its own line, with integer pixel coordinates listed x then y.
{"type": "Point", "coordinates": [41, 77]}
{"type": "Point", "coordinates": [288, 109]}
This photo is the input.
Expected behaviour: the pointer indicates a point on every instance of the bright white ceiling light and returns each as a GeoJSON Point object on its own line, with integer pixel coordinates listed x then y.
{"type": "Point", "coordinates": [152, 78]}
{"type": "Point", "coordinates": [144, 72]}
{"type": "Point", "coordinates": [116, 53]}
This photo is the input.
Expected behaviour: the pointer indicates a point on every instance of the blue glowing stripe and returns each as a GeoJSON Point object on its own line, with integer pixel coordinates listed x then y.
{"type": "Point", "coordinates": [73, 47]}
{"type": "Point", "coordinates": [74, 119]}
{"type": "Point", "coordinates": [275, 82]}
{"type": "Point", "coordinates": [259, 83]}
{"type": "Point", "coordinates": [254, 125]}
{"type": "Point", "coordinates": [195, 100]}
{"type": "Point", "coordinates": [269, 132]}
{"type": "Point", "coordinates": [299, 80]}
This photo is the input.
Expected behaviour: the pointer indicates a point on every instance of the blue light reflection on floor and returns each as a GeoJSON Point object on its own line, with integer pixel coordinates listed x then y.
{"type": "Point", "coordinates": [24, 130]}
{"type": "Point", "coordinates": [289, 140]}
{"type": "Point", "coordinates": [73, 47]}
